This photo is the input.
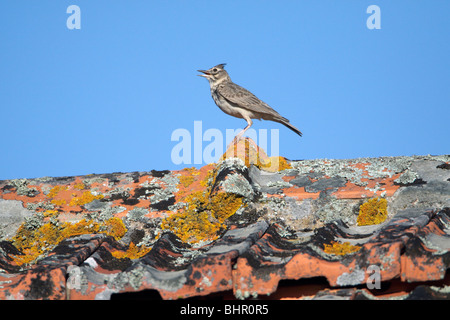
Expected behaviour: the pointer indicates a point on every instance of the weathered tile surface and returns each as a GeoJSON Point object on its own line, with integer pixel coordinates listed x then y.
{"type": "Point", "coordinates": [248, 226]}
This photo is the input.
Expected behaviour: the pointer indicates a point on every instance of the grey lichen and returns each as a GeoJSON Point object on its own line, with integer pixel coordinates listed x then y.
{"type": "Point", "coordinates": [232, 164]}
{"type": "Point", "coordinates": [353, 278]}
{"type": "Point", "coordinates": [110, 212]}
{"type": "Point", "coordinates": [165, 188]}
{"type": "Point", "coordinates": [88, 181]}
{"type": "Point", "coordinates": [43, 205]}
{"type": "Point", "coordinates": [35, 221]}
{"type": "Point", "coordinates": [22, 188]}
{"type": "Point", "coordinates": [206, 281]}
{"type": "Point", "coordinates": [275, 205]}
{"type": "Point", "coordinates": [331, 209]}
{"type": "Point", "coordinates": [137, 214]}
{"type": "Point", "coordinates": [348, 169]}
{"type": "Point", "coordinates": [332, 168]}
{"type": "Point", "coordinates": [177, 206]}
{"type": "Point", "coordinates": [141, 275]}
{"type": "Point", "coordinates": [237, 184]}
{"type": "Point", "coordinates": [150, 237]}
{"type": "Point", "coordinates": [118, 192]}
{"type": "Point", "coordinates": [242, 295]}
{"type": "Point", "coordinates": [279, 184]}
{"type": "Point", "coordinates": [131, 278]}
{"type": "Point", "coordinates": [407, 177]}
{"type": "Point", "coordinates": [105, 213]}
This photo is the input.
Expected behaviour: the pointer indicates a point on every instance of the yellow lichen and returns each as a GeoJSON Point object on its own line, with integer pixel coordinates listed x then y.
{"type": "Point", "coordinates": [186, 181]}
{"type": "Point", "coordinates": [86, 197]}
{"type": "Point", "coordinates": [204, 216]}
{"type": "Point", "coordinates": [34, 243]}
{"type": "Point", "coordinates": [76, 229]}
{"type": "Point", "coordinates": [374, 211]}
{"type": "Point", "coordinates": [51, 213]}
{"type": "Point", "coordinates": [209, 176]}
{"type": "Point", "coordinates": [338, 248]}
{"type": "Point", "coordinates": [205, 213]}
{"type": "Point", "coordinates": [133, 252]}
{"type": "Point", "coordinates": [79, 186]}
{"type": "Point", "coordinates": [114, 227]}
{"type": "Point", "coordinates": [274, 164]}
{"type": "Point", "coordinates": [55, 190]}
{"type": "Point", "coordinates": [192, 171]}
{"type": "Point", "coordinates": [60, 202]}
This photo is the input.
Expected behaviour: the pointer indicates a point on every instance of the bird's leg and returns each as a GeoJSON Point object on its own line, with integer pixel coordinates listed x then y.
{"type": "Point", "coordinates": [239, 135]}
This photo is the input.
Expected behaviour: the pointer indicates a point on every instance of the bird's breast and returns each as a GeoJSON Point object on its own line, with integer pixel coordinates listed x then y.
{"type": "Point", "coordinates": [225, 106]}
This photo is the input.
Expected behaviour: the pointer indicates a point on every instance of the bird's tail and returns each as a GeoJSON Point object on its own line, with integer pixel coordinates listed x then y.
{"type": "Point", "coordinates": [290, 126]}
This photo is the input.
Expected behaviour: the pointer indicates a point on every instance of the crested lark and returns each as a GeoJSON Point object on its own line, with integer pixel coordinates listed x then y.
{"type": "Point", "coordinates": [239, 102]}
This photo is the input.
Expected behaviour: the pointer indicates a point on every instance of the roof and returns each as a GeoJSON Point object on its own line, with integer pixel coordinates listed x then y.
{"type": "Point", "coordinates": [247, 226]}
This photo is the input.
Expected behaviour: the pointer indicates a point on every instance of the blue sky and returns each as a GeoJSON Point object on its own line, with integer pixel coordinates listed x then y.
{"type": "Point", "coordinates": [107, 97]}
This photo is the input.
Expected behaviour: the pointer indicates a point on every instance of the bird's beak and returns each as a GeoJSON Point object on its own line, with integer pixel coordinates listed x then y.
{"type": "Point", "coordinates": [206, 73]}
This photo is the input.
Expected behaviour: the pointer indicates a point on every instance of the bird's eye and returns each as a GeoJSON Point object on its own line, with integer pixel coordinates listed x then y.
{"type": "Point", "coordinates": [215, 70]}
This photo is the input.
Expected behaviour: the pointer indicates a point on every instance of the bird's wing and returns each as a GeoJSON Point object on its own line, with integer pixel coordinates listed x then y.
{"type": "Point", "coordinates": [245, 99]}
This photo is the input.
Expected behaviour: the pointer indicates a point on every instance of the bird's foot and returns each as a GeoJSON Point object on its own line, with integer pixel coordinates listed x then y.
{"type": "Point", "coordinates": [234, 141]}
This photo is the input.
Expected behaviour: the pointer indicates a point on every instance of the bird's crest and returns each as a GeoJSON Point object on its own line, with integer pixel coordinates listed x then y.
{"type": "Point", "coordinates": [221, 66]}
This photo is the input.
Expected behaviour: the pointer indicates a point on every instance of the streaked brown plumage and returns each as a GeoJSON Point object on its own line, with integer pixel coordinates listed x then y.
{"type": "Point", "coordinates": [238, 101]}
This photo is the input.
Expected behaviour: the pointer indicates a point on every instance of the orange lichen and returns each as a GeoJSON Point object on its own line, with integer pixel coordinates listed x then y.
{"type": "Point", "coordinates": [338, 248]}
{"type": "Point", "coordinates": [374, 211]}
{"type": "Point", "coordinates": [251, 154]}
{"type": "Point", "coordinates": [133, 252]}
{"type": "Point", "coordinates": [86, 197]}
{"type": "Point", "coordinates": [34, 243]}
{"type": "Point", "coordinates": [246, 150]}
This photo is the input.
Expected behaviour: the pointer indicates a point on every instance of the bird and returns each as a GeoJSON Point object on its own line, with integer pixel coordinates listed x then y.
{"type": "Point", "coordinates": [238, 102]}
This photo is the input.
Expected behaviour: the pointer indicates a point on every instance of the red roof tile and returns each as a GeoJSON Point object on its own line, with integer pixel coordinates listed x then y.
{"type": "Point", "coordinates": [246, 226]}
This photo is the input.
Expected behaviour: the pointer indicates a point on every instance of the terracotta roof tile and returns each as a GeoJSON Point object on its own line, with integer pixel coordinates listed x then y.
{"type": "Point", "coordinates": [250, 225]}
